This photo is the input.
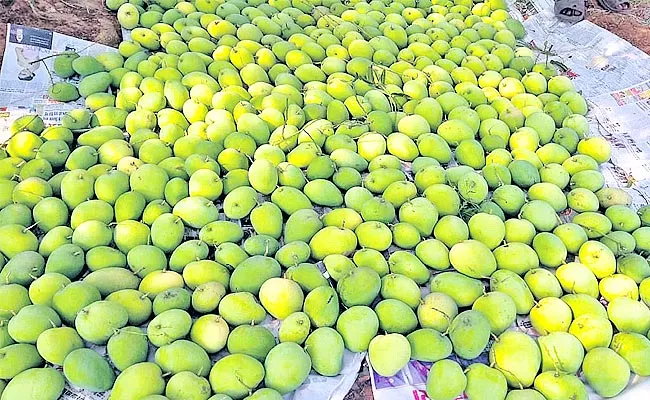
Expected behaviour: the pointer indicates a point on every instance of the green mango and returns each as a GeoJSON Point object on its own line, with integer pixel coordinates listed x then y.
{"type": "Point", "coordinates": [210, 331]}
{"type": "Point", "coordinates": [55, 344]}
{"type": "Point", "coordinates": [325, 348]}
{"type": "Point", "coordinates": [429, 345]}
{"type": "Point", "coordinates": [561, 352]}
{"type": "Point", "coordinates": [241, 308]}
{"type": "Point", "coordinates": [96, 322]}
{"type": "Point", "coordinates": [63, 64]}
{"type": "Point", "coordinates": [462, 289]}
{"type": "Point", "coordinates": [255, 341]}
{"type": "Point", "coordinates": [322, 306]}
{"type": "Point", "coordinates": [95, 83]}
{"type": "Point", "coordinates": [499, 309]}
{"type": "Point", "coordinates": [295, 328]}
{"type": "Point", "coordinates": [138, 381]}
{"type": "Point", "coordinates": [605, 371]}
{"type": "Point", "coordinates": [451, 374]}
{"type": "Point", "coordinates": [86, 369]}
{"type": "Point", "coordinates": [17, 358]}
{"type": "Point", "coordinates": [235, 374]}
{"type": "Point", "coordinates": [287, 366]}
{"type": "Point", "coordinates": [63, 91]}
{"type": "Point", "coordinates": [508, 282]}
{"type": "Point", "coordinates": [302, 225]}
{"type": "Point", "coordinates": [469, 332]}
{"type": "Point", "coordinates": [183, 355]}
{"type": "Point", "coordinates": [31, 321]}
{"type": "Point", "coordinates": [517, 356]}
{"type": "Point", "coordinates": [35, 384]}
{"type": "Point", "coordinates": [559, 386]}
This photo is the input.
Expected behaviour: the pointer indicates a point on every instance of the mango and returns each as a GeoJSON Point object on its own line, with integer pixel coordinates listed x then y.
{"type": "Point", "coordinates": [186, 252]}
{"type": "Point", "coordinates": [464, 290]}
{"type": "Point", "coordinates": [583, 304]}
{"type": "Point", "coordinates": [325, 348]}
{"type": "Point", "coordinates": [307, 275]}
{"type": "Point", "coordinates": [629, 315]}
{"type": "Point", "coordinates": [592, 331]}
{"type": "Point", "coordinates": [287, 366]}
{"type": "Point", "coordinates": [499, 309]}
{"type": "Point", "coordinates": [605, 371]}
{"type": "Point", "coordinates": [138, 381]}
{"type": "Point", "coordinates": [400, 287]}
{"type": "Point", "coordinates": [210, 331]}
{"type": "Point", "coordinates": [128, 346]}
{"type": "Point", "coordinates": [558, 386]}
{"type": "Point", "coordinates": [56, 343]}
{"type": "Point", "coordinates": [23, 267]}
{"type": "Point", "coordinates": [186, 385]}
{"type": "Point", "coordinates": [472, 258]}
{"type": "Point", "coordinates": [96, 322]}
{"type": "Point", "coordinates": [429, 345]}
{"type": "Point", "coordinates": [513, 285]}
{"type": "Point", "coordinates": [172, 298]}
{"type": "Point", "coordinates": [35, 383]}
{"type": "Point", "coordinates": [550, 314]}
{"type": "Point", "coordinates": [542, 283]}
{"type": "Point", "coordinates": [469, 332]}
{"type": "Point", "coordinates": [332, 240]}
{"type": "Point", "coordinates": [634, 348]}
{"type": "Point", "coordinates": [358, 325]}
{"type": "Point", "coordinates": [236, 375]}
{"type": "Point", "coordinates": [31, 321]}
{"type": "Point", "coordinates": [484, 381]}
{"type": "Point", "coordinates": [206, 296]}
{"type": "Point", "coordinates": [561, 352]}
{"type": "Point", "coordinates": [389, 353]}
{"type": "Point", "coordinates": [168, 326]}
{"type": "Point", "coordinates": [360, 287]}
{"type": "Point", "coordinates": [15, 298]}
{"type": "Point", "coordinates": [86, 369]}
{"type": "Point", "coordinates": [137, 304]}
{"type": "Point", "coordinates": [252, 273]}
{"type": "Point", "coordinates": [183, 355]}
{"type": "Point", "coordinates": [295, 328]}
{"type": "Point", "coordinates": [16, 358]}
{"type": "Point", "coordinates": [445, 381]}
{"type": "Point", "coordinates": [517, 356]}
{"type": "Point", "coordinates": [255, 341]}
{"type": "Point", "coordinates": [241, 308]}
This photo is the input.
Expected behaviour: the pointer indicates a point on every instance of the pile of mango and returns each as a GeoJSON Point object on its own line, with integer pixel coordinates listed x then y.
{"type": "Point", "coordinates": [402, 177]}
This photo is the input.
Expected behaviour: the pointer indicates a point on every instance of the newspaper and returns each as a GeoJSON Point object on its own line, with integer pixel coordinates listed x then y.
{"type": "Point", "coordinates": [614, 77]}
{"type": "Point", "coordinates": [24, 80]}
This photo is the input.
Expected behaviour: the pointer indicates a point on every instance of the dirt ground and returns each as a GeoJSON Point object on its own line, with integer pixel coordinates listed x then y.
{"type": "Point", "coordinates": [89, 19]}
{"type": "Point", "coordinates": [86, 19]}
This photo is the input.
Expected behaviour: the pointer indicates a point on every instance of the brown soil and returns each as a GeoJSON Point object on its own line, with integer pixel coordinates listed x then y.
{"type": "Point", "coordinates": [90, 20]}
{"type": "Point", "coordinates": [86, 19]}
{"type": "Point", "coordinates": [633, 26]}
{"type": "Point", "coordinates": [361, 390]}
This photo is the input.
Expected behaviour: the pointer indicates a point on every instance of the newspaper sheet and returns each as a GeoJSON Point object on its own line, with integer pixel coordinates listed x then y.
{"type": "Point", "coordinates": [27, 73]}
